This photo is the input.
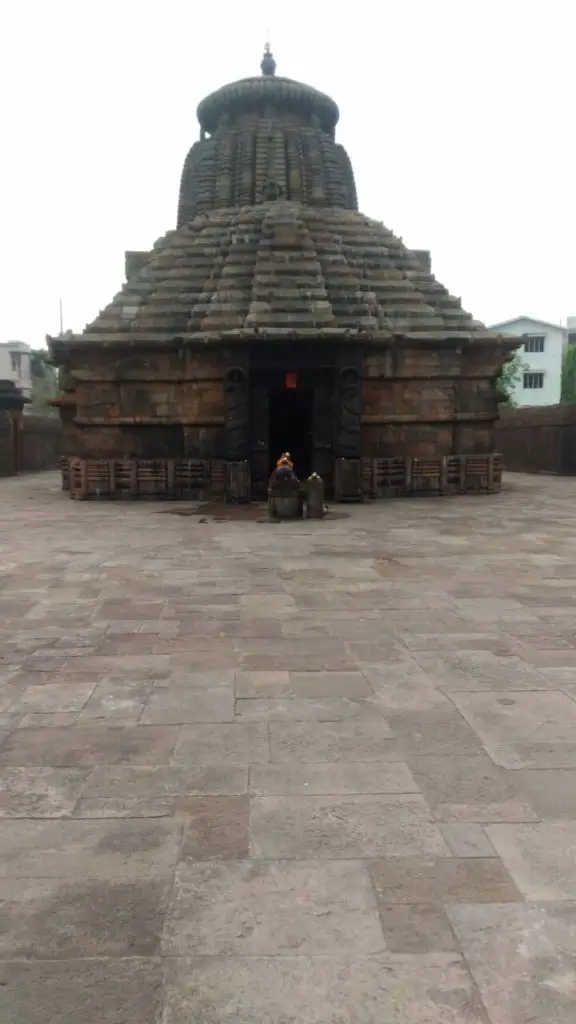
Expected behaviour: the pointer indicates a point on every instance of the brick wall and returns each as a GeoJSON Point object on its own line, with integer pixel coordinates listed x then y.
{"type": "Point", "coordinates": [40, 443]}
{"type": "Point", "coordinates": [6, 444]}
{"type": "Point", "coordinates": [28, 444]}
{"type": "Point", "coordinates": [538, 439]}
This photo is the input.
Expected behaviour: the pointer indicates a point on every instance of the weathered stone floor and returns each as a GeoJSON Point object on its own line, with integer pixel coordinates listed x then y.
{"type": "Point", "coordinates": [321, 773]}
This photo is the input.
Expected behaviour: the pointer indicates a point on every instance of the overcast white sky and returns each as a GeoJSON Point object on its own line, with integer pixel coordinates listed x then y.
{"type": "Point", "coordinates": [458, 117]}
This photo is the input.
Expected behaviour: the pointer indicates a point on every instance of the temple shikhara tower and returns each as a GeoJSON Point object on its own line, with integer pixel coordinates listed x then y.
{"type": "Point", "coordinates": [277, 317]}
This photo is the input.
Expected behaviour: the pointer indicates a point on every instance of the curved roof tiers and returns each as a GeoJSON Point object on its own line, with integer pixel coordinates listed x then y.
{"type": "Point", "coordinates": [269, 241]}
{"type": "Point", "coordinates": [282, 270]}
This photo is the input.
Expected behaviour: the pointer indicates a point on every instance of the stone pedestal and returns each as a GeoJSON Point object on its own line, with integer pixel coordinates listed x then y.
{"type": "Point", "coordinates": [237, 483]}
{"type": "Point", "coordinates": [348, 480]}
{"type": "Point", "coordinates": [313, 507]}
{"type": "Point", "coordinates": [284, 499]}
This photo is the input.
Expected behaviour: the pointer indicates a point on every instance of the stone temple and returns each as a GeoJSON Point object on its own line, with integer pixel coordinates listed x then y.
{"type": "Point", "coordinates": [277, 317]}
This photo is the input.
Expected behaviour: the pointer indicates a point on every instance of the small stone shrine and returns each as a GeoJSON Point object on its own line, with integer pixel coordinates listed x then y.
{"type": "Point", "coordinates": [277, 316]}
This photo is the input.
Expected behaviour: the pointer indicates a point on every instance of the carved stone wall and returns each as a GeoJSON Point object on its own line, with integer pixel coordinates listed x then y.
{"type": "Point", "coordinates": [399, 402]}
{"type": "Point", "coordinates": [425, 403]}
{"type": "Point", "coordinates": [144, 404]}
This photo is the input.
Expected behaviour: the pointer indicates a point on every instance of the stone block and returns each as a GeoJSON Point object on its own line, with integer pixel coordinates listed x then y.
{"type": "Point", "coordinates": [523, 959]}
{"type": "Point", "coordinates": [331, 778]}
{"type": "Point", "coordinates": [54, 918]}
{"type": "Point", "coordinates": [343, 827]}
{"type": "Point", "coordinates": [442, 880]}
{"type": "Point", "coordinates": [272, 909]}
{"type": "Point", "coordinates": [324, 989]}
{"type": "Point", "coordinates": [216, 827]}
{"type": "Point", "coordinates": [102, 991]}
{"type": "Point", "coordinates": [40, 792]}
{"type": "Point", "coordinates": [87, 746]}
{"type": "Point", "coordinates": [359, 740]}
{"type": "Point", "coordinates": [89, 849]}
{"type": "Point", "coordinates": [222, 744]}
{"type": "Point", "coordinates": [539, 857]}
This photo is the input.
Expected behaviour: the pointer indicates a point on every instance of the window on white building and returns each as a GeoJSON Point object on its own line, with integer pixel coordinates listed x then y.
{"type": "Point", "coordinates": [16, 361]}
{"type": "Point", "coordinates": [533, 380]}
{"type": "Point", "coordinates": [534, 343]}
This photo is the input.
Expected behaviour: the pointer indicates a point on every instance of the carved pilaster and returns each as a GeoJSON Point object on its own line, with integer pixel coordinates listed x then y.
{"type": "Point", "coordinates": [348, 402]}
{"type": "Point", "coordinates": [237, 410]}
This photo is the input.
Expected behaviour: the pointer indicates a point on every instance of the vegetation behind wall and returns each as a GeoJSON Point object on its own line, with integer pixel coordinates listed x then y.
{"type": "Point", "coordinates": [44, 384]}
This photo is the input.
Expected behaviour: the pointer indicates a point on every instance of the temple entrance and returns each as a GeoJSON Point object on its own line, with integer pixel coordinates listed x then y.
{"type": "Point", "coordinates": [291, 408]}
{"type": "Point", "coordinates": [290, 423]}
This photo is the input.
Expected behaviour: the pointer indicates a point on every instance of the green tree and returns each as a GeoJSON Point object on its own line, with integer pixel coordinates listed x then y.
{"type": "Point", "coordinates": [510, 376]}
{"type": "Point", "coordinates": [44, 384]}
{"type": "Point", "coordinates": [568, 393]}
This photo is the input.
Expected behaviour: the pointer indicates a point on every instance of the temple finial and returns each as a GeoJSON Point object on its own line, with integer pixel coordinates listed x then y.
{"type": "Point", "coordinates": [268, 64]}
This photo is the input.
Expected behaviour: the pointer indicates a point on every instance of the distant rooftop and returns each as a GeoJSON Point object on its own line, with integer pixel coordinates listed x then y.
{"type": "Point", "coordinates": [525, 316]}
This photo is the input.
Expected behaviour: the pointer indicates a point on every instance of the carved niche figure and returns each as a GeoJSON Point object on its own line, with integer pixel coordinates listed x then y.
{"type": "Point", "coordinates": [348, 412]}
{"type": "Point", "coordinates": [236, 404]}
{"type": "Point", "coordinates": [271, 191]}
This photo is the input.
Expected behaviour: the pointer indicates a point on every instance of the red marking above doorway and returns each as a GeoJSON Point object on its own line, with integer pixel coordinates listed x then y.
{"type": "Point", "coordinates": [291, 380]}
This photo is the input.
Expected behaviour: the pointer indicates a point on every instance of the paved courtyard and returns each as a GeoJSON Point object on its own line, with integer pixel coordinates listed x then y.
{"type": "Point", "coordinates": [314, 773]}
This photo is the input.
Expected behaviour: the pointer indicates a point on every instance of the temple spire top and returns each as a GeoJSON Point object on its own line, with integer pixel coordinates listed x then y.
{"type": "Point", "coordinates": [268, 64]}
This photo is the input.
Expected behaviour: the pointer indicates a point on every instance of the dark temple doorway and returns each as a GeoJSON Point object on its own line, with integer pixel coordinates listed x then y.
{"type": "Point", "coordinates": [290, 427]}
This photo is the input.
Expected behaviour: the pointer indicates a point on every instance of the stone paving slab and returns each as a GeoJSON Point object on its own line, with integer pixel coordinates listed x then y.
{"type": "Point", "coordinates": [89, 746]}
{"type": "Point", "coordinates": [346, 826]}
{"type": "Point", "coordinates": [541, 857]}
{"type": "Point", "coordinates": [102, 991]}
{"type": "Point", "coordinates": [318, 772]}
{"type": "Point", "coordinates": [278, 908]}
{"type": "Point", "coordinates": [471, 789]}
{"type": "Point", "coordinates": [338, 779]}
{"type": "Point", "coordinates": [523, 959]}
{"type": "Point", "coordinates": [98, 849]}
{"type": "Point", "coordinates": [54, 918]}
{"type": "Point", "coordinates": [323, 990]}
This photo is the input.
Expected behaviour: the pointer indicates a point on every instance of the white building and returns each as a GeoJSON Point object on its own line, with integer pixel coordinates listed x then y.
{"type": "Point", "coordinates": [15, 365]}
{"type": "Point", "coordinates": [542, 354]}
